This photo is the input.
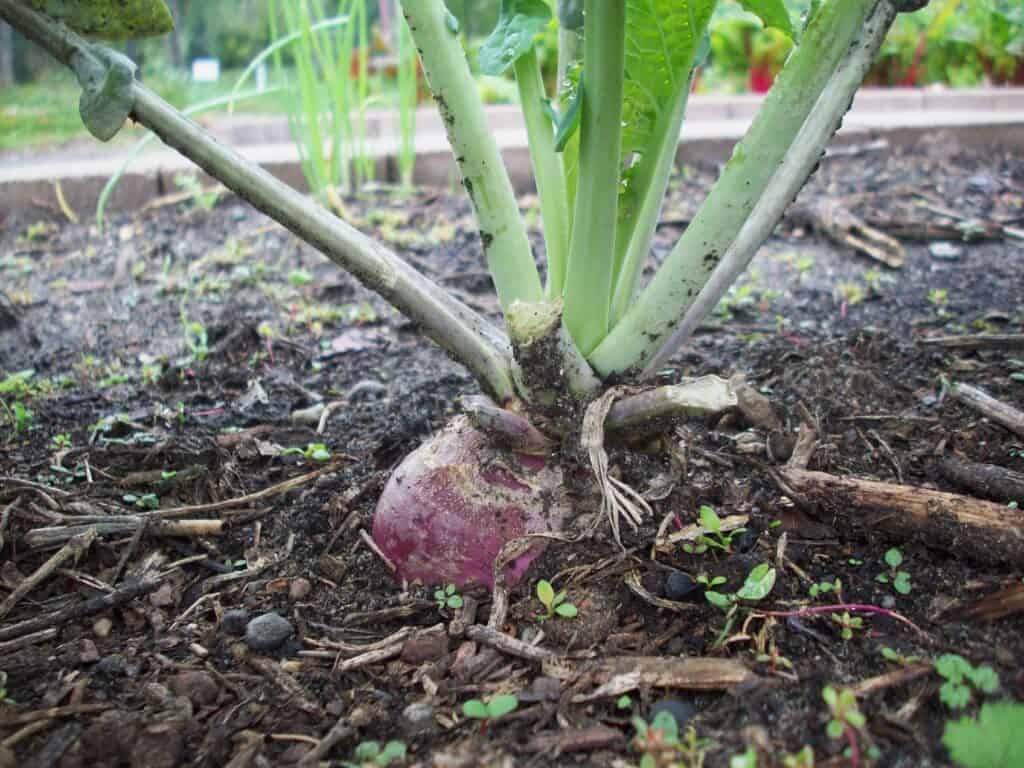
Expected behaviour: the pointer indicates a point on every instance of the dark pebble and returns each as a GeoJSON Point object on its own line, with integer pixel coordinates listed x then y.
{"type": "Point", "coordinates": [111, 666]}
{"type": "Point", "coordinates": [235, 621]}
{"type": "Point", "coordinates": [267, 632]}
{"type": "Point", "coordinates": [681, 710]}
{"type": "Point", "coordinates": [681, 586]}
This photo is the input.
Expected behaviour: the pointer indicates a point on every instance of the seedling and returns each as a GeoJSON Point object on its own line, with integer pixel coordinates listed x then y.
{"type": "Point", "coordinates": [371, 753]}
{"type": "Point", "coordinates": [625, 701]}
{"type": "Point", "coordinates": [848, 624]}
{"type": "Point", "coordinates": [3, 689]}
{"type": "Point", "coordinates": [846, 721]}
{"type": "Point", "coordinates": [205, 199]}
{"type": "Point", "coordinates": [900, 580]}
{"type": "Point", "coordinates": [145, 501]}
{"type": "Point", "coordinates": [898, 658]}
{"type": "Point", "coordinates": [777, 663]}
{"type": "Point", "coordinates": [961, 677]}
{"type": "Point", "coordinates": [448, 597]}
{"type": "Point", "coordinates": [660, 745]}
{"type": "Point", "coordinates": [756, 586]}
{"type": "Point", "coordinates": [746, 759]}
{"type": "Point", "coordinates": [712, 537]}
{"type": "Point", "coordinates": [18, 416]}
{"type": "Point", "coordinates": [802, 759]}
{"type": "Point", "coordinates": [312, 451]}
{"type": "Point", "coordinates": [824, 588]}
{"type": "Point", "coordinates": [488, 711]}
{"type": "Point", "coordinates": [554, 604]}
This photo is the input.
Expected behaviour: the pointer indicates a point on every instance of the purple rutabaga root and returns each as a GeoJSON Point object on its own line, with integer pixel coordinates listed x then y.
{"type": "Point", "coordinates": [453, 503]}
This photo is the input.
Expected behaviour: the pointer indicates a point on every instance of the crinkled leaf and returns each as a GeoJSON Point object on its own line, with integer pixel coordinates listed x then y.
{"type": "Point", "coordinates": [994, 740]}
{"type": "Point", "coordinates": [772, 12]}
{"type": "Point", "coordinates": [662, 37]}
{"type": "Point", "coordinates": [518, 22]}
{"type": "Point", "coordinates": [110, 19]}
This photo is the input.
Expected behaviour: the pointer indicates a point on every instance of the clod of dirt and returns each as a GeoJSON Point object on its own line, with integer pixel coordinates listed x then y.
{"type": "Point", "coordinates": [425, 646]}
{"type": "Point", "coordinates": [235, 621]}
{"type": "Point", "coordinates": [267, 632]}
{"type": "Point", "coordinates": [299, 589]}
{"type": "Point", "coordinates": [199, 687]}
{"type": "Point", "coordinates": [756, 409]}
{"type": "Point", "coordinates": [111, 666]}
{"type": "Point", "coordinates": [159, 746]}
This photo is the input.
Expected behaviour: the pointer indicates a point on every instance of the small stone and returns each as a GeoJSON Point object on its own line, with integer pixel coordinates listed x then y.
{"type": "Point", "coordinates": [101, 627]}
{"type": "Point", "coordinates": [267, 632]}
{"type": "Point", "coordinates": [235, 621]}
{"type": "Point", "coordinates": [425, 646]}
{"type": "Point", "coordinates": [945, 251]}
{"type": "Point", "coordinates": [110, 666]}
{"type": "Point", "coordinates": [200, 687]}
{"type": "Point", "coordinates": [299, 589]}
{"type": "Point", "coordinates": [681, 710]}
{"type": "Point", "coordinates": [418, 718]}
{"type": "Point", "coordinates": [164, 597]}
{"type": "Point", "coordinates": [681, 586]}
{"type": "Point", "coordinates": [156, 694]}
{"type": "Point", "coordinates": [88, 652]}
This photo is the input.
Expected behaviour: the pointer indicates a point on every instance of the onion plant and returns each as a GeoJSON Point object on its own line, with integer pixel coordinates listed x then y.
{"type": "Point", "coordinates": [602, 150]}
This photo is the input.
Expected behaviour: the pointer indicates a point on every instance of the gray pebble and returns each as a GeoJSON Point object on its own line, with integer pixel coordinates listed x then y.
{"type": "Point", "coordinates": [235, 621]}
{"type": "Point", "coordinates": [418, 718]}
{"type": "Point", "coordinates": [267, 632]}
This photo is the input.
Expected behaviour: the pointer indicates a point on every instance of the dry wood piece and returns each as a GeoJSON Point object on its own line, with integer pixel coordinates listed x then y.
{"type": "Point", "coordinates": [976, 341]}
{"type": "Point", "coordinates": [623, 674]}
{"type": "Point", "coordinates": [91, 606]}
{"type": "Point", "coordinates": [985, 404]}
{"type": "Point", "coordinates": [891, 679]}
{"type": "Point", "coordinates": [998, 605]}
{"type": "Point", "coordinates": [508, 644]}
{"type": "Point", "coordinates": [836, 221]}
{"type": "Point", "coordinates": [340, 731]}
{"type": "Point", "coordinates": [289, 685]}
{"type": "Point", "coordinates": [20, 718]}
{"type": "Point", "coordinates": [986, 531]}
{"type": "Point", "coordinates": [121, 526]}
{"type": "Point", "coordinates": [987, 480]}
{"type": "Point", "coordinates": [574, 740]}
{"type": "Point", "coordinates": [35, 638]}
{"type": "Point", "coordinates": [72, 550]}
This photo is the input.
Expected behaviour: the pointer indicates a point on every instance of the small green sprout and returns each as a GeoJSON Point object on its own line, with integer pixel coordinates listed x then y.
{"type": "Point", "coordinates": [624, 701]}
{"type": "Point", "coordinates": [898, 658]}
{"type": "Point", "coordinates": [145, 501]}
{"type": "Point", "coordinates": [4, 699]}
{"type": "Point", "coordinates": [712, 537]}
{"type": "Point", "coordinates": [900, 580]}
{"type": "Point", "coordinates": [60, 442]}
{"type": "Point", "coordinates": [846, 719]}
{"type": "Point", "coordinates": [823, 588]}
{"type": "Point", "coordinates": [312, 451]}
{"type": "Point", "coordinates": [493, 709]}
{"type": "Point", "coordinates": [554, 603]}
{"type": "Point", "coordinates": [758, 584]}
{"type": "Point", "coordinates": [189, 183]}
{"type": "Point", "coordinates": [660, 744]}
{"type": "Point", "coordinates": [802, 759]}
{"type": "Point", "coordinates": [938, 297]}
{"type": "Point", "coordinates": [371, 753]}
{"type": "Point", "coordinates": [745, 759]}
{"type": "Point", "coordinates": [848, 624]}
{"type": "Point", "coordinates": [448, 597]}
{"type": "Point", "coordinates": [960, 677]}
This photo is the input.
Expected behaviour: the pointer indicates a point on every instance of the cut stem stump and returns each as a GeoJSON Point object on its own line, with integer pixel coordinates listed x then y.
{"type": "Point", "coordinates": [987, 532]}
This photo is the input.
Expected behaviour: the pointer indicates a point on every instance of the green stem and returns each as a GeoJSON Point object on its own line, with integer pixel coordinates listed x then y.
{"type": "Point", "coordinates": [547, 170]}
{"type": "Point", "coordinates": [648, 323]}
{"type": "Point", "coordinates": [592, 252]}
{"type": "Point", "coordinates": [466, 336]}
{"type": "Point", "coordinates": [509, 257]}
{"type": "Point", "coordinates": [635, 233]}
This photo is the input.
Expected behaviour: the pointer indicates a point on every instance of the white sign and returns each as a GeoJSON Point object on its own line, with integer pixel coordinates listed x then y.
{"type": "Point", "coordinates": [206, 70]}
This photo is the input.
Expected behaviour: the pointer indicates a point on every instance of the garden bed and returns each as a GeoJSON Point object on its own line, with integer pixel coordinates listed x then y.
{"type": "Point", "coordinates": [172, 351]}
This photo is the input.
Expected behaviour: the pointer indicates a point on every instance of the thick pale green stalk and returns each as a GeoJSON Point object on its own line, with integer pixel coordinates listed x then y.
{"type": "Point", "coordinates": [509, 257]}
{"type": "Point", "coordinates": [649, 322]}
{"type": "Point", "coordinates": [469, 338]}
{"type": "Point", "coordinates": [790, 177]}
{"type": "Point", "coordinates": [547, 170]}
{"type": "Point", "coordinates": [635, 233]}
{"type": "Point", "coordinates": [592, 252]}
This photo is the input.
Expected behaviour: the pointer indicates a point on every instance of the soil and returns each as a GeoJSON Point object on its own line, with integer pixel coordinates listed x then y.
{"type": "Point", "coordinates": [171, 353]}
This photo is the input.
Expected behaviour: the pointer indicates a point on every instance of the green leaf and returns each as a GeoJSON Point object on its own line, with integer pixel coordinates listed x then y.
{"type": "Point", "coordinates": [902, 583]}
{"type": "Point", "coordinates": [719, 600]}
{"type": "Point", "coordinates": [772, 12]}
{"type": "Point", "coordinates": [518, 22]}
{"type": "Point", "coordinates": [954, 695]}
{"type": "Point", "coordinates": [475, 709]}
{"type": "Point", "coordinates": [545, 592]}
{"type": "Point", "coordinates": [834, 729]}
{"type": "Point", "coordinates": [994, 740]}
{"type": "Point", "coordinates": [952, 666]}
{"type": "Point", "coordinates": [709, 519]}
{"type": "Point", "coordinates": [567, 610]}
{"type": "Point", "coordinates": [569, 122]}
{"type": "Point", "coordinates": [984, 678]}
{"type": "Point", "coordinates": [501, 705]}
{"type": "Point", "coordinates": [455, 601]}
{"type": "Point", "coordinates": [893, 558]}
{"type": "Point", "coordinates": [666, 723]}
{"type": "Point", "coordinates": [758, 583]}
{"type": "Point", "coordinates": [110, 19]}
{"type": "Point", "coordinates": [367, 750]}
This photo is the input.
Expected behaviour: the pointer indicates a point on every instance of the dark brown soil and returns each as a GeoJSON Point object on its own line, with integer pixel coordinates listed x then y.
{"type": "Point", "coordinates": [126, 400]}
